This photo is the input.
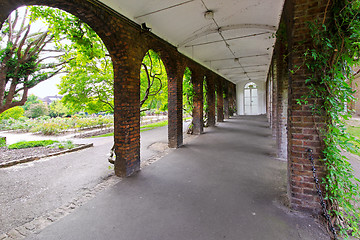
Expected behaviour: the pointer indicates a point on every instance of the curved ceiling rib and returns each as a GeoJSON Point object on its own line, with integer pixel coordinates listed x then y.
{"type": "Point", "coordinates": [228, 28]}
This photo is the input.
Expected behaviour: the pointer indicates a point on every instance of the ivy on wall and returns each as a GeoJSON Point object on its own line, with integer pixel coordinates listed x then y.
{"type": "Point", "coordinates": [333, 53]}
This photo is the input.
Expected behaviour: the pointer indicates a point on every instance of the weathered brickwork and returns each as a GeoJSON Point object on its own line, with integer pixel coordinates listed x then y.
{"type": "Point", "coordinates": [281, 77]}
{"type": "Point", "coordinates": [220, 100]}
{"type": "Point", "coordinates": [211, 99]}
{"type": "Point", "coordinates": [226, 100]}
{"type": "Point", "coordinates": [232, 99]}
{"type": "Point", "coordinates": [302, 132]}
{"type": "Point", "coordinates": [175, 102]}
{"type": "Point", "coordinates": [197, 81]}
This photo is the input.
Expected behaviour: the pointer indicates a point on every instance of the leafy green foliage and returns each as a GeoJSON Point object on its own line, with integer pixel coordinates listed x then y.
{"type": "Point", "coordinates": [153, 83]}
{"type": "Point", "coordinates": [58, 109]}
{"type": "Point", "coordinates": [188, 93]}
{"type": "Point", "coordinates": [29, 144]}
{"type": "Point", "coordinates": [2, 141]}
{"type": "Point", "coordinates": [54, 126]}
{"type": "Point", "coordinates": [62, 145]}
{"type": "Point", "coordinates": [205, 102]}
{"type": "Point", "coordinates": [32, 99]}
{"type": "Point", "coordinates": [23, 64]}
{"type": "Point", "coordinates": [14, 113]}
{"type": "Point", "coordinates": [335, 49]}
{"type": "Point", "coordinates": [37, 110]}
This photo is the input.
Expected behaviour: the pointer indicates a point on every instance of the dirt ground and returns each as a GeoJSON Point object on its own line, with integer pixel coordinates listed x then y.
{"type": "Point", "coordinates": [7, 155]}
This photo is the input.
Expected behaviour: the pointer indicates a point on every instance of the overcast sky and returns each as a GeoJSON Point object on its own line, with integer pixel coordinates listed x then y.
{"type": "Point", "coordinates": [46, 88]}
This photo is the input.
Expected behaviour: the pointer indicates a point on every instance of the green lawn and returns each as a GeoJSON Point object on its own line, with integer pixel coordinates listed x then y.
{"type": "Point", "coordinates": [142, 128]}
{"type": "Point", "coordinates": [354, 131]}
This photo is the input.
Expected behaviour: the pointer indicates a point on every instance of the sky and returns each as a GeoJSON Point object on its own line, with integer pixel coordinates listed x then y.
{"type": "Point", "coordinates": [46, 88]}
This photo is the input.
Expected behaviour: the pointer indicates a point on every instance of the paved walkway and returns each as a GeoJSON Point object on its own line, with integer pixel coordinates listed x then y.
{"type": "Point", "coordinates": [222, 185]}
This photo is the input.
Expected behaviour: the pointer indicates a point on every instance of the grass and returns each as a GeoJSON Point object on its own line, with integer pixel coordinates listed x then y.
{"type": "Point", "coordinates": [354, 131]}
{"type": "Point", "coordinates": [29, 144]}
{"type": "Point", "coordinates": [142, 128]}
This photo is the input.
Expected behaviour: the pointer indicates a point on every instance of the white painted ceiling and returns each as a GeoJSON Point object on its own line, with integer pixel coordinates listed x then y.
{"type": "Point", "coordinates": [237, 42]}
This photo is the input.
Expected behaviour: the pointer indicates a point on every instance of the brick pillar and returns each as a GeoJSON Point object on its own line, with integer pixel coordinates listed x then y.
{"type": "Point", "coordinates": [220, 100]}
{"type": "Point", "coordinates": [302, 126]}
{"type": "Point", "coordinates": [198, 121]}
{"type": "Point", "coordinates": [226, 100]}
{"type": "Point", "coordinates": [282, 79]}
{"type": "Point", "coordinates": [274, 103]}
{"type": "Point", "coordinates": [211, 100]}
{"type": "Point", "coordinates": [233, 90]}
{"type": "Point", "coordinates": [127, 113]}
{"type": "Point", "coordinates": [175, 111]}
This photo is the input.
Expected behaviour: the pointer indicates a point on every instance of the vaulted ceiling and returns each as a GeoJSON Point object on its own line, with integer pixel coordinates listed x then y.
{"type": "Point", "coordinates": [234, 38]}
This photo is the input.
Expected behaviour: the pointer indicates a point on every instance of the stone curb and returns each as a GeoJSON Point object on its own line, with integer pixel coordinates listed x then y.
{"type": "Point", "coordinates": [30, 159]}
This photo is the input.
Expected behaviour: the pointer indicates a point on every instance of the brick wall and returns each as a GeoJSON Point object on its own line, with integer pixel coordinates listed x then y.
{"type": "Point", "coordinates": [302, 126]}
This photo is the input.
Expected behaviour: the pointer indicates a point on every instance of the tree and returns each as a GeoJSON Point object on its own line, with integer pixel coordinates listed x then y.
{"type": "Point", "coordinates": [37, 110]}
{"type": "Point", "coordinates": [58, 109]}
{"type": "Point", "coordinates": [29, 56]}
{"type": "Point", "coordinates": [32, 99]}
{"type": "Point", "coordinates": [153, 83]}
{"type": "Point", "coordinates": [89, 83]}
{"type": "Point", "coordinates": [22, 67]}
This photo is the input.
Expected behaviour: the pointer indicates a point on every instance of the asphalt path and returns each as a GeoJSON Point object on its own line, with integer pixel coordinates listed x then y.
{"type": "Point", "coordinates": [30, 190]}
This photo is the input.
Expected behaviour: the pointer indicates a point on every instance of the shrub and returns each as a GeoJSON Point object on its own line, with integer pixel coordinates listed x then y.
{"type": "Point", "coordinates": [37, 110]}
{"type": "Point", "coordinates": [2, 141]}
{"type": "Point", "coordinates": [63, 145]}
{"type": "Point", "coordinates": [29, 144]}
{"type": "Point", "coordinates": [14, 113]}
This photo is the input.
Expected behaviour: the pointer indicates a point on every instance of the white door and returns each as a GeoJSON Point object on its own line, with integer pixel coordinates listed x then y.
{"type": "Point", "coordinates": [251, 99]}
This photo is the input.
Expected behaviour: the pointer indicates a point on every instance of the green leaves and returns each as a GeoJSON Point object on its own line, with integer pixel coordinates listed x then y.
{"type": "Point", "coordinates": [335, 50]}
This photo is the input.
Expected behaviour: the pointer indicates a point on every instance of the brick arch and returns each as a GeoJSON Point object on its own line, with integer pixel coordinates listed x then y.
{"type": "Point", "coordinates": [97, 18]}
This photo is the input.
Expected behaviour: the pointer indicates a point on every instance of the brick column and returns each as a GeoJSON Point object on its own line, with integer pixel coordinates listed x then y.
{"type": "Point", "coordinates": [198, 121]}
{"type": "Point", "coordinates": [226, 100]}
{"type": "Point", "coordinates": [127, 113]}
{"type": "Point", "coordinates": [282, 79]}
{"type": "Point", "coordinates": [302, 126]}
{"type": "Point", "coordinates": [175, 111]}
{"type": "Point", "coordinates": [211, 100]}
{"type": "Point", "coordinates": [220, 100]}
{"type": "Point", "coordinates": [274, 103]}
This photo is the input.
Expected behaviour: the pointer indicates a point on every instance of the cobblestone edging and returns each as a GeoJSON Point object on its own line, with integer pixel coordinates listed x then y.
{"type": "Point", "coordinates": [30, 159]}
{"type": "Point", "coordinates": [39, 223]}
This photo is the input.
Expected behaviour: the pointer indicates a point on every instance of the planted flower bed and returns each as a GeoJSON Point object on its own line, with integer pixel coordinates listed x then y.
{"type": "Point", "coordinates": [26, 151]}
{"type": "Point", "coordinates": [55, 126]}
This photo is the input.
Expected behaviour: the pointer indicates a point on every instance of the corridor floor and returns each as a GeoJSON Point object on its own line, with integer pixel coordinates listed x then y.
{"type": "Point", "coordinates": [224, 184]}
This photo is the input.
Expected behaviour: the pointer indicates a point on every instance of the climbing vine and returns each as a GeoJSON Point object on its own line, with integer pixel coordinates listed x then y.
{"type": "Point", "coordinates": [334, 51]}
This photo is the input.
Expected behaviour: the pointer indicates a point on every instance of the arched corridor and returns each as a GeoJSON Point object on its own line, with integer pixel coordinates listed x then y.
{"type": "Point", "coordinates": [235, 46]}
{"type": "Point", "coordinates": [219, 186]}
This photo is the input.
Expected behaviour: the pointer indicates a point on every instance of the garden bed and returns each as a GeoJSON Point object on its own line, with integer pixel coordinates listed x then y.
{"type": "Point", "coordinates": [10, 157]}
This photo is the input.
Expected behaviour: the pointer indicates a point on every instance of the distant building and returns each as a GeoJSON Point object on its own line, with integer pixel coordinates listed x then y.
{"type": "Point", "coordinates": [49, 99]}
